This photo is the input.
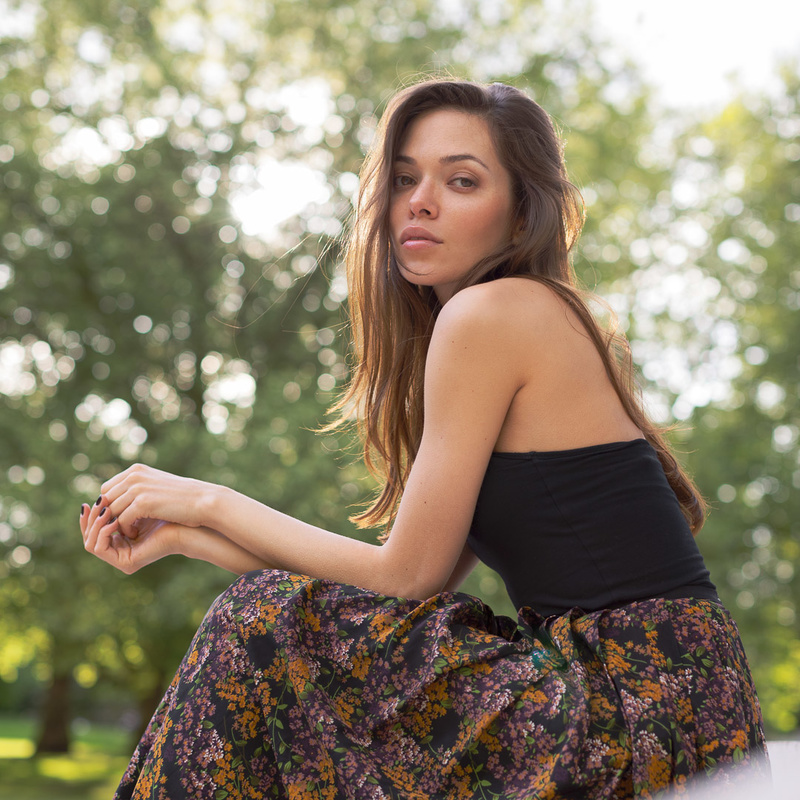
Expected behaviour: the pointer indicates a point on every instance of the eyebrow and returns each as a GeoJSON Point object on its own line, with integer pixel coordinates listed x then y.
{"type": "Point", "coordinates": [447, 159]}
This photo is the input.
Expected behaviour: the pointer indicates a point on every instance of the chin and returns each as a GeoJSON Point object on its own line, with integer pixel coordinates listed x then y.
{"type": "Point", "coordinates": [417, 278]}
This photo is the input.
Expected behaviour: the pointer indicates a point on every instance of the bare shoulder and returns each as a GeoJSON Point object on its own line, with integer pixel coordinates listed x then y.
{"type": "Point", "coordinates": [507, 307]}
{"type": "Point", "coordinates": [507, 331]}
{"type": "Point", "coordinates": [478, 333]}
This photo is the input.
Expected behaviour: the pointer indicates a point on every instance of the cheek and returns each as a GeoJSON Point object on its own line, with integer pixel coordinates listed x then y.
{"type": "Point", "coordinates": [492, 230]}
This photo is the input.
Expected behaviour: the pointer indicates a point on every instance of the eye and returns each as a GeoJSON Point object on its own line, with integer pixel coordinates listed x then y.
{"type": "Point", "coordinates": [463, 182]}
{"type": "Point", "coordinates": [401, 181]}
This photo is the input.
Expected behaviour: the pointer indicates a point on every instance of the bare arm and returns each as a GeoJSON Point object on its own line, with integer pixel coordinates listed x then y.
{"type": "Point", "coordinates": [472, 373]}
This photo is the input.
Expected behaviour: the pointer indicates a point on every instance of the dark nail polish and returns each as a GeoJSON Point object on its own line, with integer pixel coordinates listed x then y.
{"type": "Point", "coordinates": [83, 509]}
{"type": "Point", "coordinates": [113, 519]}
{"type": "Point", "coordinates": [103, 511]}
{"type": "Point", "coordinates": [97, 502]}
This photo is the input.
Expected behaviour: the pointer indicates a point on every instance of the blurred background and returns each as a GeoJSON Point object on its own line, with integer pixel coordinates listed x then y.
{"type": "Point", "coordinates": [175, 177]}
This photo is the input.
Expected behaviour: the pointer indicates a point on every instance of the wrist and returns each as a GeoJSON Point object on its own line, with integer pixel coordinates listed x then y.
{"type": "Point", "coordinates": [213, 505]}
{"type": "Point", "coordinates": [195, 543]}
{"type": "Point", "coordinates": [181, 543]}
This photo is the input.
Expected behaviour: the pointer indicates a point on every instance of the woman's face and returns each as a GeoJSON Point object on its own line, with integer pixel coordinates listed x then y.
{"type": "Point", "coordinates": [451, 201]}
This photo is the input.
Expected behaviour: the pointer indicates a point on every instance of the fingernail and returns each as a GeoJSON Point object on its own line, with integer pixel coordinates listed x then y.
{"type": "Point", "coordinates": [97, 502]}
{"type": "Point", "coordinates": [103, 511]}
{"type": "Point", "coordinates": [83, 508]}
{"type": "Point", "coordinates": [113, 519]}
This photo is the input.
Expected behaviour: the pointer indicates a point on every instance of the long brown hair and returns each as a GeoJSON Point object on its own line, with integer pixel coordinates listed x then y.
{"type": "Point", "coordinates": [392, 319]}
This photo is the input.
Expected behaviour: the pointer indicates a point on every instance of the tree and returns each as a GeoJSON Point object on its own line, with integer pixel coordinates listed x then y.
{"type": "Point", "coordinates": [127, 129]}
{"type": "Point", "coordinates": [751, 435]}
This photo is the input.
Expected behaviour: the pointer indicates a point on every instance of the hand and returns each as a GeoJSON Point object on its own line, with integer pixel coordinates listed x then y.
{"type": "Point", "coordinates": [151, 540]}
{"type": "Point", "coordinates": [144, 493]}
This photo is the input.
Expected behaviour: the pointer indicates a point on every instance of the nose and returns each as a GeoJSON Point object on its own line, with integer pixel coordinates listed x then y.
{"type": "Point", "coordinates": [422, 201]}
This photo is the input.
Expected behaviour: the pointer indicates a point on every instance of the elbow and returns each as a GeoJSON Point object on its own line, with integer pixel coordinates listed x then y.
{"type": "Point", "coordinates": [413, 583]}
{"type": "Point", "coordinates": [426, 594]}
{"type": "Point", "coordinates": [428, 586]}
{"type": "Point", "coordinates": [417, 591]}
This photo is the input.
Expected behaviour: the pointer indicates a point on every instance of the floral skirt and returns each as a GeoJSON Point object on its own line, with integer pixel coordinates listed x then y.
{"type": "Point", "coordinates": [300, 688]}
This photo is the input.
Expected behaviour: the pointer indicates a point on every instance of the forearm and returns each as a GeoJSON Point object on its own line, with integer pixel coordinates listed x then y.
{"type": "Point", "coordinates": [205, 544]}
{"type": "Point", "coordinates": [416, 562]}
{"type": "Point", "coordinates": [288, 543]}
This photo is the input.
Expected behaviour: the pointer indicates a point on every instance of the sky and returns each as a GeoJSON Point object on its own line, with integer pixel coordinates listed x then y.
{"type": "Point", "coordinates": [689, 49]}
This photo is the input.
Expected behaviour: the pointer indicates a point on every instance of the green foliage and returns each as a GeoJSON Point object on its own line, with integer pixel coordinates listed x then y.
{"type": "Point", "coordinates": [751, 436]}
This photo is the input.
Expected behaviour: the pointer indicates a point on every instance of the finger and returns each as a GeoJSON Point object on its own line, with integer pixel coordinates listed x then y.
{"type": "Point", "coordinates": [111, 489]}
{"type": "Point", "coordinates": [112, 523]}
{"type": "Point", "coordinates": [115, 510]}
{"type": "Point", "coordinates": [133, 512]}
{"type": "Point", "coordinates": [107, 529]}
{"type": "Point", "coordinates": [121, 507]}
{"type": "Point", "coordinates": [109, 493]}
{"type": "Point", "coordinates": [133, 532]}
{"type": "Point", "coordinates": [128, 522]}
{"type": "Point", "coordinates": [112, 482]}
{"type": "Point", "coordinates": [86, 519]}
{"type": "Point", "coordinates": [98, 516]}
{"type": "Point", "coordinates": [90, 537]}
{"type": "Point", "coordinates": [94, 511]}
{"type": "Point", "coordinates": [83, 520]}
{"type": "Point", "coordinates": [120, 544]}
{"type": "Point", "coordinates": [123, 479]}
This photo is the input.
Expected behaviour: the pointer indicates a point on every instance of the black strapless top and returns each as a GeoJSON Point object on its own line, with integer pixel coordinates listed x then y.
{"type": "Point", "coordinates": [594, 527]}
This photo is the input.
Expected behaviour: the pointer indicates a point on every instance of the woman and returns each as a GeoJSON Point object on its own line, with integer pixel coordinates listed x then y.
{"type": "Point", "coordinates": [505, 426]}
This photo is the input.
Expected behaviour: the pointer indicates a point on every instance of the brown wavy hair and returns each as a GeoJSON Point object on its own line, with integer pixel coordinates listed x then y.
{"type": "Point", "coordinates": [392, 319]}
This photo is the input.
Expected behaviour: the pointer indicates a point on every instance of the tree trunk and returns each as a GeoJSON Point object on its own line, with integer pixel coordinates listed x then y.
{"type": "Point", "coordinates": [55, 717]}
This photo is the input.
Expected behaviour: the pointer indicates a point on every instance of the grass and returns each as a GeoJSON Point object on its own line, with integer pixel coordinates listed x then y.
{"type": "Point", "coordinates": [91, 771]}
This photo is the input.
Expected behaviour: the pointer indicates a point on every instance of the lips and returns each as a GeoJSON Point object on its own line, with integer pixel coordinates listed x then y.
{"type": "Point", "coordinates": [414, 233]}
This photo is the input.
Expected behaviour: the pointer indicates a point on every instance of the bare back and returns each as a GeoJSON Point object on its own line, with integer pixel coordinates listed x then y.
{"type": "Point", "coordinates": [566, 399]}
